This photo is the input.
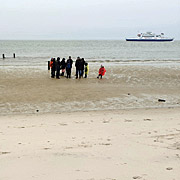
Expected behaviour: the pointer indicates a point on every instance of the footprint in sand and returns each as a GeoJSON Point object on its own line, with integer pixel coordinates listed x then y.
{"type": "Point", "coordinates": [137, 177]}
{"type": "Point", "coordinates": [169, 168]}
{"type": "Point", "coordinates": [126, 120]}
{"type": "Point", "coordinates": [62, 124]}
{"type": "Point", "coordinates": [4, 152]}
{"type": "Point", "coordinates": [147, 119]}
{"type": "Point", "coordinates": [79, 122]}
{"type": "Point", "coordinates": [105, 144]}
{"type": "Point", "coordinates": [106, 121]}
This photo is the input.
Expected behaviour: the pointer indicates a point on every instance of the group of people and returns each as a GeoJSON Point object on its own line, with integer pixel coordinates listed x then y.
{"type": "Point", "coordinates": [58, 68]}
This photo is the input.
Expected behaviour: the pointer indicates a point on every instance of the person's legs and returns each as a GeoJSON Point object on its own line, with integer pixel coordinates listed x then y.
{"type": "Point", "coordinates": [53, 73]}
{"type": "Point", "coordinates": [77, 73]}
{"type": "Point", "coordinates": [80, 72]}
{"type": "Point", "coordinates": [69, 73]}
{"type": "Point", "coordinates": [57, 73]}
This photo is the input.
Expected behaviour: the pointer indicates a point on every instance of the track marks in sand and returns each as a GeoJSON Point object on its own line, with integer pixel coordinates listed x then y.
{"type": "Point", "coordinates": [99, 179]}
{"type": "Point", "coordinates": [4, 152]}
{"type": "Point", "coordinates": [106, 121]}
{"type": "Point", "coordinates": [127, 120]}
{"type": "Point", "coordinates": [63, 124]}
{"type": "Point", "coordinates": [169, 168]}
{"type": "Point", "coordinates": [147, 119]}
{"type": "Point", "coordinates": [87, 143]}
{"type": "Point", "coordinates": [171, 140]}
{"type": "Point", "coordinates": [140, 177]}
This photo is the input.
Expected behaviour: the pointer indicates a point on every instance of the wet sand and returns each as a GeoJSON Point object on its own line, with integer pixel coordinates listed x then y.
{"type": "Point", "coordinates": [26, 90]}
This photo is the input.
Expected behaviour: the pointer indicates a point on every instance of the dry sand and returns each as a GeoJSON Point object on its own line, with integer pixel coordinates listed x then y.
{"type": "Point", "coordinates": [90, 129]}
{"type": "Point", "coordinates": [103, 145]}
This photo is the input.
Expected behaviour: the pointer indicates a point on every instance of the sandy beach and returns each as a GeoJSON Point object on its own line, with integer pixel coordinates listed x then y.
{"type": "Point", "coordinates": [96, 145]}
{"type": "Point", "coordinates": [90, 129]}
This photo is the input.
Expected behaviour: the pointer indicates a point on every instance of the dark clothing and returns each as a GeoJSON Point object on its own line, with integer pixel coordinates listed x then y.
{"type": "Point", "coordinates": [68, 67]}
{"type": "Point", "coordinates": [53, 69]}
{"type": "Point", "coordinates": [78, 73]}
{"type": "Point", "coordinates": [58, 65]}
{"type": "Point", "coordinates": [70, 61]}
{"type": "Point", "coordinates": [81, 66]}
{"type": "Point", "coordinates": [77, 65]}
{"type": "Point", "coordinates": [68, 72]}
{"type": "Point", "coordinates": [63, 66]}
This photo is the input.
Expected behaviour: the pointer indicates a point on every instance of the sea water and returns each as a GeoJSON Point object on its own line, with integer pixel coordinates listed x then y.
{"type": "Point", "coordinates": [37, 53]}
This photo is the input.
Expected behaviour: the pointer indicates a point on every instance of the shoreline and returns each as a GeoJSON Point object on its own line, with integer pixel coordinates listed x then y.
{"type": "Point", "coordinates": [39, 113]}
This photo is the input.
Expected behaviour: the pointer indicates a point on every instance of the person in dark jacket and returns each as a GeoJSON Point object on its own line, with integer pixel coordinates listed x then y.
{"type": "Point", "coordinates": [77, 65]}
{"type": "Point", "coordinates": [53, 68]}
{"type": "Point", "coordinates": [82, 67]}
{"type": "Point", "coordinates": [63, 66]}
{"type": "Point", "coordinates": [58, 65]}
{"type": "Point", "coordinates": [69, 67]}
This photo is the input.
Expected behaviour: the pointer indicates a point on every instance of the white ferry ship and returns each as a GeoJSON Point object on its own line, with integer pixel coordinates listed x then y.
{"type": "Point", "coordinates": [149, 36]}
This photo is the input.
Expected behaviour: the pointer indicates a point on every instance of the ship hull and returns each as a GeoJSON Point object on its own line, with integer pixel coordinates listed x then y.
{"type": "Point", "coordinates": [157, 40]}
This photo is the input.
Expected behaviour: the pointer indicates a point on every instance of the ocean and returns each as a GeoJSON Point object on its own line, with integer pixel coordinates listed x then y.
{"type": "Point", "coordinates": [37, 53]}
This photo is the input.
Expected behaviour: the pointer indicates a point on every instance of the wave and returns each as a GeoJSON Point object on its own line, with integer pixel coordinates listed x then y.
{"type": "Point", "coordinates": [46, 58]}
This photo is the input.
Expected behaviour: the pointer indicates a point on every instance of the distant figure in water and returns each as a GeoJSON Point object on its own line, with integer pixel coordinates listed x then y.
{"type": "Point", "coordinates": [102, 72]}
{"type": "Point", "coordinates": [86, 69]}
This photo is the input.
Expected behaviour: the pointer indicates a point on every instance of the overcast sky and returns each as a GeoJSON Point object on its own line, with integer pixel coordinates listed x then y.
{"type": "Point", "coordinates": [87, 19]}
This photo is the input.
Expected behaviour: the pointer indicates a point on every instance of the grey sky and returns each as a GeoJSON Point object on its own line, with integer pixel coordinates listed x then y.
{"type": "Point", "coordinates": [87, 19]}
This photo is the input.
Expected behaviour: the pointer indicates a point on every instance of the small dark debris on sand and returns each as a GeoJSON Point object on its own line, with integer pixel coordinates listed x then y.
{"type": "Point", "coordinates": [137, 177]}
{"type": "Point", "coordinates": [161, 100]}
{"type": "Point", "coordinates": [147, 120]}
{"type": "Point", "coordinates": [169, 168]}
{"type": "Point", "coordinates": [4, 152]}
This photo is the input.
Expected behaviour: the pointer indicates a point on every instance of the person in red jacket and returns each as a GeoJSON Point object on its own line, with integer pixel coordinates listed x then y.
{"type": "Point", "coordinates": [102, 72]}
